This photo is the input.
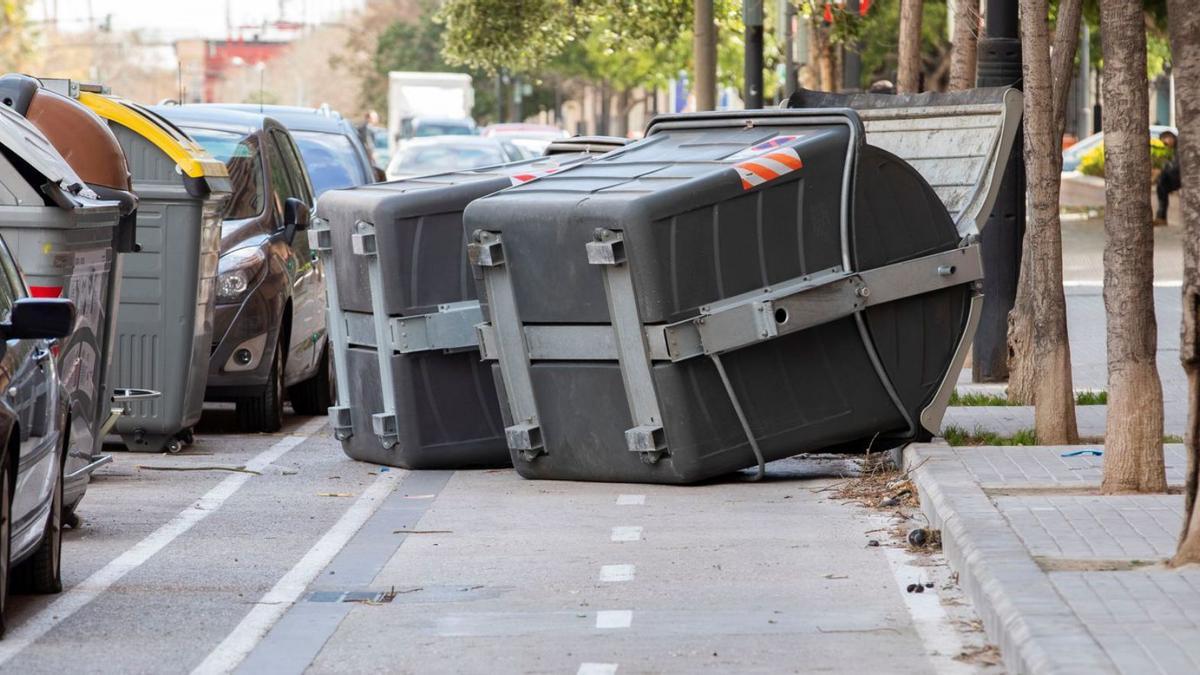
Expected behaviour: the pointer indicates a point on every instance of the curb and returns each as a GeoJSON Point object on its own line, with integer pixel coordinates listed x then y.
{"type": "Point", "coordinates": [1022, 612]}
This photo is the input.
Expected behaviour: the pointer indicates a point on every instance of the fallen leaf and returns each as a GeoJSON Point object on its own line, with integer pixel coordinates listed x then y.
{"type": "Point", "coordinates": [335, 494]}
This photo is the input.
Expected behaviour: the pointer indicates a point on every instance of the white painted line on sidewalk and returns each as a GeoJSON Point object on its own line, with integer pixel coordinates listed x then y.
{"type": "Point", "coordinates": [1099, 283]}
{"type": "Point", "coordinates": [614, 618]}
{"type": "Point", "coordinates": [597, 669]}
{"type": "Point", "coordinates": [277, 601]}
{"type": "Point", "coordinates": [609, 573]}
{"type": "Point", "coordinates": [631, 500]}
{"type": "Point", "coordinates": [627, 533]}
{"type": "Point", "coordinates": [89, 589]}
{"type": "Point", "coordinates": [940, 638]}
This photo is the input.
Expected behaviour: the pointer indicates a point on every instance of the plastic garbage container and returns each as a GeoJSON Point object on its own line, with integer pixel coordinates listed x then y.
{"type": "Point", "coordinates": [397, 276]}
{"type": "Point", "coordinates": [165, 318]}
{"type": "Point", "coordinates": [62, 237]}
{"type": "Point", "coordinates": [738, 287]}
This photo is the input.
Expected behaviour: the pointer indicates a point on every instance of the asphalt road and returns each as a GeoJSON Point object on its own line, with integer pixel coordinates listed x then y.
{"type": "Point", "coordinates": [323, 564]}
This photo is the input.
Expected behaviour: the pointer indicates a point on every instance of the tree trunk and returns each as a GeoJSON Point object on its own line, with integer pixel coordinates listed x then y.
{"type": "Point", "coordinates": [1133, 458]}
{"type": "Point", "coordinates": [1049, 350]}
{"type": "Point", "coordinates": [704, 45]}
{"type": "Point", "coordinates": [1185, 60]}
{"type": "Point", "coordinates": [966, 34]}
{"type": "Point", "coordinates": [908, 70]}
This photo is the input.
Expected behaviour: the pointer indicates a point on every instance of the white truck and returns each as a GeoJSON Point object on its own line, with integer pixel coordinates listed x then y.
{"type": "Point", "coordinates": [413, 94]}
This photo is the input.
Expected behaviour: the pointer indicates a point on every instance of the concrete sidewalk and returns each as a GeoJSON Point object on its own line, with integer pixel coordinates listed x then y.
{"type": "Point", "coordinates": [1065, 580]}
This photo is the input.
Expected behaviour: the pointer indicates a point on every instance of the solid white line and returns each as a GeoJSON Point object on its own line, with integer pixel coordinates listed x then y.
{"type": "Point", "coordinates": [940, 638]}
{"type": "Point", "coordinates": [631, 500]}
{"type": "Point", "coordinates": [614, 618]}
{"type": "Point", "coordinates": [609, 573]}
{"type": "Point", "coordinates": [253, 628]}
{"type": "Point", "coordinates": [627, 533]}
{"type": "Point", "coordinates": [1099, 283]}
{"type": "Point", "coordinates": [597, 669]}
{"type": "Point", "coordinates": [89, 589]}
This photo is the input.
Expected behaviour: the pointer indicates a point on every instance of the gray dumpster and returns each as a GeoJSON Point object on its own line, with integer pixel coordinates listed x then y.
{"type": "Point", "coordinates": [165, 318]}
{"type": "Point", "coordinates": [61, 236]}
{"type": "Point", "coordinates": [397, 276]}
{"type": "Point", "coordinates": [736, 288]}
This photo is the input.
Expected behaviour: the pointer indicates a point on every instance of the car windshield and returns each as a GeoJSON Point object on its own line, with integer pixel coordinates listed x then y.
{"type": "Point", "coordinates": [240, 154]}
{"type": "Point", "coordinates": [331, 160]}
{"type": "Point", "coordinates": [437, 158]}
{"type": "Point", "coordinates": [443, 129]}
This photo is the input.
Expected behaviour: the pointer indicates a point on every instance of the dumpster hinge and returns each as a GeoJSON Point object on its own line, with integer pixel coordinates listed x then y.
{"type": "Point", "coordinates": [323, 241]}
{"type": "Point", "coordinates": [339, 419]}
{"type": "Point", "coordinates": [486, 253]}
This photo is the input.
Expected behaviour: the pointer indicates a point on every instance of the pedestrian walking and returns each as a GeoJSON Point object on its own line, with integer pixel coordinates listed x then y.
{"type": "Point", "coordinates": [1168, 179]}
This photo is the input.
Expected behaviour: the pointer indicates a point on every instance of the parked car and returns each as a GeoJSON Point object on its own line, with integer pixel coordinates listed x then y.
{"type": "Point", "coordinates": [33, 417]}
{"type": "Point", "coordinates": [532, 138]}
{"type": "Point", "coordinates": [330, 146]}
{"type": "Point", "coordinates": [269, 324]}
{"type": "Point", "coordinates": [1073, 155]}
{"type": "Point", "coordinates": [421, 127]}
{"type": "Point", "coordinates": [438, 154]}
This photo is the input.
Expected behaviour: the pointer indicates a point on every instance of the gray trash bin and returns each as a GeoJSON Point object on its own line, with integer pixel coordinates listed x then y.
{"type": "Point", "coordinates": [397, 275]}
{"type": "Point", "coordinates": [738, 287]}
{"type": "Point", "coordinates": [165, 317]}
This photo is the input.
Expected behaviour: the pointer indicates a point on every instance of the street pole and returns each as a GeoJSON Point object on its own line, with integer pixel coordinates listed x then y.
{"type": "Point", "coordinates": [787, 15]}
{"type": "Point", "coordinates": [752, 14]}
{"type": "Point", "coordinates": [1000, 66]}
{"type": "Point", "coordinates": [704, 46]}
{"type": "Point", "coordinates": [851, 59]}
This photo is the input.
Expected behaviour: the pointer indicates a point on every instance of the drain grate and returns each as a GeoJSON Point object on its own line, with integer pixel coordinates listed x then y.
{"type": "Point", "coordinates": [364, 597]}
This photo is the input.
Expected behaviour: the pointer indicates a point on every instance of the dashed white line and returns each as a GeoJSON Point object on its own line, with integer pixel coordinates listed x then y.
{"type": "Point", "coordinates": [597, 669]}
{"type": "Point", "coordinates": [277, 601]}
{"type": "Point", "coordinates": [614, 618]}
{"type": "Point", "coordinates": [631, 500]}
{"type": "Point", "coordinates": [941, 639]}
{"type": "Point", "coordinates": [627, 533]}
{"type": "Point", "coordinates": [100, 581]}
{"type": "Point", "coordinates": [610, 573]}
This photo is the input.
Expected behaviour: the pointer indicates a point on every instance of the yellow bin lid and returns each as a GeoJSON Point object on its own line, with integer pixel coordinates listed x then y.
{"type": "Point", "coordinates": [193, 160]}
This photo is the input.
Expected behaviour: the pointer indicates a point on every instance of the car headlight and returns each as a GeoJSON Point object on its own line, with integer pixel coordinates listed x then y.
{"type": "Point", "coordinates": [236, 271]}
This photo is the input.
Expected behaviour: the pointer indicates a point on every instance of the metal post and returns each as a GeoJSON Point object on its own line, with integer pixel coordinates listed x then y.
{"type": "Point", "coordinates": [752, 13]}
{"type": "Point", "coordinates": [705, 48]}
{"type": "Point", "coordinates": [1083, 88]}
{"type": "Point", "coordinates": [1000, 66]}
{"type": "Point", "coordinates": [851, 58]}
{"type": "Point", "coordinates": [787, 14]}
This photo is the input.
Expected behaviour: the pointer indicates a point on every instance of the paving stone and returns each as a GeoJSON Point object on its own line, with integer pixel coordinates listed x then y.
{"type": "Point", "coordinates": [1044, 466]}
{"type": "Point", "coordinates": [1126, 527]}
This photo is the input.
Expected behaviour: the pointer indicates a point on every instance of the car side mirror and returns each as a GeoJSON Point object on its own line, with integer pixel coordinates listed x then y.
{"type": "Point", "coordinates": [296, 217]}
{"type": "Point", "coordinates": [40, 318]}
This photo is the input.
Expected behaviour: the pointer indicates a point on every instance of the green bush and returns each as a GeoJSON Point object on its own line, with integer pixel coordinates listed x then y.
{"type": "Point", "coordinates": [1092, 162]}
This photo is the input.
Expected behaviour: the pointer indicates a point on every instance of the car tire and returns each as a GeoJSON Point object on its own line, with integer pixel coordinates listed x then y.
{"type": "Point", "coordinates": [6, 498]}
{"type": "Point", "coordinates": [42, 572]}
{"type": "Point", "coordinates": [263, 412]}
{"type": "Point", "coordinates": [314, 395]}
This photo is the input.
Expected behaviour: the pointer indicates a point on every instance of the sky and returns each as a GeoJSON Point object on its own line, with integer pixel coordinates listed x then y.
{"type": "Point", "coordinates": [174, 19]}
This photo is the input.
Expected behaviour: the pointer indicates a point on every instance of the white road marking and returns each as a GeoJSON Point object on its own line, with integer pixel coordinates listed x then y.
{"type": "Point", "coordinates": [631, 500]}
{"type": "Point", "coordinates": [940, 638]}
{"type": "Point", "coordinates": [614, 618]}
{"type": "Point", "coordinates": [597, 669]}
{"type": "Point", "coordinates": [100, 581]}
{"type": "Point", "coordinates": [1099, 283]}
{"type": "Point", "coordinates": [627, 533]}
{"type": "Point", "coordinates": [271, 606]}
{"type": "Point", "coordinates": [616, 573]}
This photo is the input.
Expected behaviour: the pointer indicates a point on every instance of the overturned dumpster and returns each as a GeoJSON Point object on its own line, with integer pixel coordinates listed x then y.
{"type": "Point", "coordinates": [737, 288]}
{"type": "Point", "coordinates": [165, 318]}
{"type": "Point", "coordinates": [62, 236]}
{"type": "Point", "coordinates": [403, 305]}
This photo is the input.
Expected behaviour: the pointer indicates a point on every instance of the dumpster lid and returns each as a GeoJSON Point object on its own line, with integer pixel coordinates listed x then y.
{"type": "Point", "coordinates": [592, 144]}
{"type": "Point", "coordinates": [27, 142]}
{"type": "Point", "coordinates": [959, 142]}
{"type": "Point", "coordinates": [192, 159]}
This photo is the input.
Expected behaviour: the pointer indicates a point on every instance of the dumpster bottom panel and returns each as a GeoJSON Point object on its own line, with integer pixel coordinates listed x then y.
{"type": "Point", "coordinates": [447, 414]}
{"type": "Point", "coordinates": [807, 391]}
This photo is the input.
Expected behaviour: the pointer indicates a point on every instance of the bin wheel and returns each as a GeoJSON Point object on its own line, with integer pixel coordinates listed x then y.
{"type": "Point", "coordinates": [314, 395]}
{"type": "Point", "coordinates": [174, 446]}
{"type": "Point", "coordinates": [186, 436]}
{"type": "Point", "coordinates": [263, 412]}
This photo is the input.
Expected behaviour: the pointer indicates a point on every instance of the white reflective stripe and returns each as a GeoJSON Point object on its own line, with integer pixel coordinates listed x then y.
{"type": "Point", "coordinates": [774, 166]}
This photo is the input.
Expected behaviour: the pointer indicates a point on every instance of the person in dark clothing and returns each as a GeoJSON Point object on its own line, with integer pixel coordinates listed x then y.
{"type": "Point", "coordinates": [1168, 179]}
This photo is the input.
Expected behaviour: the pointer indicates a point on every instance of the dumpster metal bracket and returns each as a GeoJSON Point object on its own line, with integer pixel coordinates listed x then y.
{"type": "Point", "coordinates": [451, 327]}
{"type": "Point", "coordinates": [932, 414]}
{"type": "Point", "coordinates": [339, 412]}
{"type": "Point", "coordinates": [486, 252]}
{"type": "Point", "coordinates": [384, 424]}
{"type": "Point", "coordinates": [647, 438]}
{"type": "Point", "coordinates": [585, 342]}
{"type": "Point", "coordinates": [815, 299]}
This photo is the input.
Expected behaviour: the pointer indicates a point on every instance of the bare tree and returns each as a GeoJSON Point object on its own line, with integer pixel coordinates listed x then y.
{"type": "Point", "coordinates": [1185, 61]}
{"type": "Point", "coordinates": [908, 71]}
{"type": "Point", "coordinates": [966, 39]}
{"type": "Point", "coordinates": [1039, 349]}
{"type": "Point", "coordinates": [1133, 458]}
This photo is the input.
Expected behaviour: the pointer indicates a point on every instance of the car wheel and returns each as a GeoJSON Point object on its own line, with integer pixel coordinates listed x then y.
{"type": "Point", "coordinates": [314, 395]}
{"type": "Point", "coordinates": [5, 537]}
{"type": "Point", "coordinates": [42, 572]}
{"type": "Point", "coordinates": [264, 411]}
